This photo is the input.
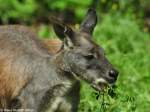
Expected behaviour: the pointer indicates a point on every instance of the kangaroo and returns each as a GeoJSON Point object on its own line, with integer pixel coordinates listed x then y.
{"type": "Point", "coordinates": [31, 79]}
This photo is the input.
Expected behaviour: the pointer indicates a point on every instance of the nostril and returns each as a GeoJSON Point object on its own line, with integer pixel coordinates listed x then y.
{"type": "Point", "coordinates": [113, 73]}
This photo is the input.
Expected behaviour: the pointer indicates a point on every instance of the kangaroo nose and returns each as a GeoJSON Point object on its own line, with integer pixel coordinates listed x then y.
{"type": "Point", "coordinates": [113, 73]}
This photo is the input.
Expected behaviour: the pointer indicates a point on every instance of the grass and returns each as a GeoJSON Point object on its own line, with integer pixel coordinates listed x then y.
{"type": "Point", "coordinates": [127, 47]}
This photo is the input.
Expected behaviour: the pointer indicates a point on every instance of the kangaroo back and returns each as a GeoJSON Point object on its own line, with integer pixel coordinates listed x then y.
{"type": "Point", "coordinates": [22, 34]}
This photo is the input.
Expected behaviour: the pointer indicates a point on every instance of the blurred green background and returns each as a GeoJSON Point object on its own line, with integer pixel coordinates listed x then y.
{"type": "Point", "coordinates": [123, 30]}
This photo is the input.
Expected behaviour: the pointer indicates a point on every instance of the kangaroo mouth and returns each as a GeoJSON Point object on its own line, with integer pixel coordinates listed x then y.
{"type": "Point", "coordinates": [101, 84]}
{"type": "Point", "coordinates": [100, 87]}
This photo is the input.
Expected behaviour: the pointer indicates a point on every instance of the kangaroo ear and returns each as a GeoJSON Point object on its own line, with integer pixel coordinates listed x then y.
{"type": "Point", "coordinates": [62, 31]}
{"type": "Point", "coordinates": [89, 22]}
{"type": "Point", "coordinates": [59, 31]}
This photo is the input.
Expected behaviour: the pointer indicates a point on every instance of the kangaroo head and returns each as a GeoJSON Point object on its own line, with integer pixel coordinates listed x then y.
{"type": "Point", "coordinates": [84, 58]}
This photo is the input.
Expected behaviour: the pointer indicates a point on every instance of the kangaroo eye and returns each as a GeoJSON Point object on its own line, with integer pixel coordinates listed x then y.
{"type": "Point", "coordinates": [89, 57]}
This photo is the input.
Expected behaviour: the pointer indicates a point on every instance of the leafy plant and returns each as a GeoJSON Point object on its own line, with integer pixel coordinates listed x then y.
{"type": "Point", "coordinates": [16, 9]}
